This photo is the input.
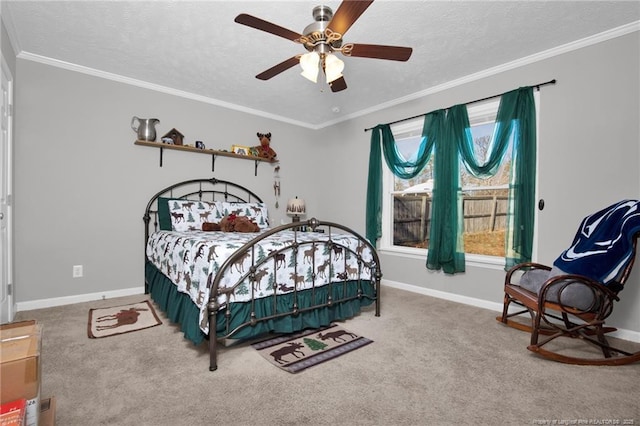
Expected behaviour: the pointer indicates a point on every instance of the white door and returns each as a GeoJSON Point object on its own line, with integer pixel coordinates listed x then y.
{"type": "Point", "coordinates": [6, 301]}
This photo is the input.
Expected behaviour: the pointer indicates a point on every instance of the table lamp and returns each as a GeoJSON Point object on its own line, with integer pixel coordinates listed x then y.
{"type": "Point", "coordinates": [296, 208]}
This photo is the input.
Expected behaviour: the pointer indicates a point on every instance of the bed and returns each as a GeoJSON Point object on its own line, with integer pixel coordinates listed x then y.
{"type": "Point", "coordinates": [238, 285]}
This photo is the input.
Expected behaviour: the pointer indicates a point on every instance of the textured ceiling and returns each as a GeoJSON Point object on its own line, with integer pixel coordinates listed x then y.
{"type": "Point", "coordinates": [196, 47]}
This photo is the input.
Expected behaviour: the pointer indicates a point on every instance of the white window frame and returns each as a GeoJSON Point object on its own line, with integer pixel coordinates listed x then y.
{"type": "Point", "coordinates": [386, 246]}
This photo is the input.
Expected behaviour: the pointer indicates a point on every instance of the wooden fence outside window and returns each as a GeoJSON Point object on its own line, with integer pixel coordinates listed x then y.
{"type": "Point", "coordinates": [412, 217]}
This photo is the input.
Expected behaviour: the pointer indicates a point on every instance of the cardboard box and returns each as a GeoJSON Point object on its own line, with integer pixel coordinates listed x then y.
{"type": "Point", "coordinates": [48, 412]}
{"type": "Point", "coordinates": [20, 344]}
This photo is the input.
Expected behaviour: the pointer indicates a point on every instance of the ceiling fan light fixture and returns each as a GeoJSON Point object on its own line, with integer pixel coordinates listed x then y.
{"type": "Point", "coordinates": [333, 67]}
{"type": "Point", "coordinates": [321, 39]}
{"type": "Point", "coordinates": [309, 63]}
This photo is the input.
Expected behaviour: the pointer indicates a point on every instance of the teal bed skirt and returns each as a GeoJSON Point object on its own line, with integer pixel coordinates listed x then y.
{"type": "Point", "coordinates": [180, 309]}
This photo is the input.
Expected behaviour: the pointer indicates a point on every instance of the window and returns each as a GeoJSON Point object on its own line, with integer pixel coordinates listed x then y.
{"type": "Point", "coordinates": [407, 202]}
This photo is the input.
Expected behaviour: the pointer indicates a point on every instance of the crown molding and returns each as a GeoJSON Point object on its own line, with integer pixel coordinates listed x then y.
{"type": "Point", "coordinates": [536, 57]}
{"type": "Point", "coordinates": [156, 87]}
{"type": "Point", "coordinates": [559, 50]}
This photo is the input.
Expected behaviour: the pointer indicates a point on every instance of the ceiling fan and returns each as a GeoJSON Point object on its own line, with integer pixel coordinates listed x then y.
{"type": "Point", "coordinates": [322, 39]}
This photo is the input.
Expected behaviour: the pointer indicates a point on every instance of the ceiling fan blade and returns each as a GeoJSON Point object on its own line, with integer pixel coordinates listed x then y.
{"type": "Point", "coordinates": [377, 51]}
{"type": "Point", "coordinates": [348, 12]}
{"type": "Point", "coordinates": [338, 85]}
{"type": "Point", "coordinates": [277, 69]}
{"type": "Point", "coordinates": [262, 25]}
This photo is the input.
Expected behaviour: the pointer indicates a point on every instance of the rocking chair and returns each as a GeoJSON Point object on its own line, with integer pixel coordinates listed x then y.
{"type": "Point", "coordinates": [575, 296]}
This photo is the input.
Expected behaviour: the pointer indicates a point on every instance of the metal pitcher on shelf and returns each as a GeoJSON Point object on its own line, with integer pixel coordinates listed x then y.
{"type": "Point", "coordinates": [146, 128]}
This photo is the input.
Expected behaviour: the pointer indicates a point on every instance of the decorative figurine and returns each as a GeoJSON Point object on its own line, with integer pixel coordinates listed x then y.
{"type": "Point", "coordinates": [276, 184]}
{"type": "Point", "coordinates": [264, 149]}
{"type": "Point", "coordinates": [175, 136]}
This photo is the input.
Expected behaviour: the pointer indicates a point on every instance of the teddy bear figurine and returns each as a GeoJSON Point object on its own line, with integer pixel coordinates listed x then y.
{"type": "Point", "coordinates": [264, 150]}
{"type": "Point", "coordinates": [235, 223]}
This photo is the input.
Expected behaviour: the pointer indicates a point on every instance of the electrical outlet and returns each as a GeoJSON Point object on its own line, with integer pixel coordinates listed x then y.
{"type": "Point", "coordinates": [77, 271]}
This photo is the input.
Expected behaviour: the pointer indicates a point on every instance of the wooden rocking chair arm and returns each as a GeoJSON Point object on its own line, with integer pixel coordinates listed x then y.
{"type": "Point", "coordinates": [529, 265]}
{"type": "Point", "coordinates": [524, 266]}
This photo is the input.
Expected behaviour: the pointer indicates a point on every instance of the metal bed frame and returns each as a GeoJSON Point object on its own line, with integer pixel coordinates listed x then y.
{"type": "Point", "coordinates": [367, 287]}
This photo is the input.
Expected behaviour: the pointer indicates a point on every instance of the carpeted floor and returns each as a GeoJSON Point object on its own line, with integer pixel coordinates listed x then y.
{"type": "Point", "coordinates": [433, 362]}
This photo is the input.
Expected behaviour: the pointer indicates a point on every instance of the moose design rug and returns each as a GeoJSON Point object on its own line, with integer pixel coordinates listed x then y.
{"type": "Point", "coordinates": [105, 322]}
{"type": "Point", "coordinates": [295, 352]}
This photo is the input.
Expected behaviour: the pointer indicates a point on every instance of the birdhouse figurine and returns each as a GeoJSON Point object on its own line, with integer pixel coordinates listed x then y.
{"type": "Point", "coordinates": [175, 136]}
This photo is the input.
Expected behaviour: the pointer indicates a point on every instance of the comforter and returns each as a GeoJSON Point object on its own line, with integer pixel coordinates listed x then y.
{"type": "Point", "coordinates": [190, 258]}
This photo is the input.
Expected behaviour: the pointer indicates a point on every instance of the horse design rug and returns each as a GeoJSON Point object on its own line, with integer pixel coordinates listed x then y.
{"type": "Point", "coordinates": [105, 322]}
{"type": "Point", "coordinates": [295, 352]}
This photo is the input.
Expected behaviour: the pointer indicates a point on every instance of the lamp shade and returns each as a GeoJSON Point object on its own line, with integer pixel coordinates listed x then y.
{"type": "Point", "coordinates": [333, 67]}
{"type": "Point", "coordinates": [309, 63]}
{"type": "Point", "coordinates": [296, 207]}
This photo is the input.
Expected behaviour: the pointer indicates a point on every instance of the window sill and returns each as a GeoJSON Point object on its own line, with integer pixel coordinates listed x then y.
{"type": "Point", "coordinates": [475, 260]}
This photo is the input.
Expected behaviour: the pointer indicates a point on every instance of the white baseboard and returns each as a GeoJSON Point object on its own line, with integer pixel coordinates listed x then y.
{"type": "Point", "coordinates": [630, 335]}
{"type": "Point", "coordinates": [80, 298]}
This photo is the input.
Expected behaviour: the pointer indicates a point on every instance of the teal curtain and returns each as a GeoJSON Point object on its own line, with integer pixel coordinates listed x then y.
{"type": "Point", "coordinates": [446, 250]}
{"type": "Point", "coordinates": [408, 168]}
{"type": "Point", "coordinates": [373, 229]}
{"type": "Point", "coordinates": [464, 140]}
{"type": "Point", "coordinates": [515, 123]}
{"type": "Point", "coordinates": [400, 166]}
{"type": "Point", "coordinates": [518, 107]}
{"type": "Point", "coordinates": [448, 133]}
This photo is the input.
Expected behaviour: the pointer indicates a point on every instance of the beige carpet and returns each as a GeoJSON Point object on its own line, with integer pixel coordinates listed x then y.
{"type": "Point", "coordinates": [433, 362]}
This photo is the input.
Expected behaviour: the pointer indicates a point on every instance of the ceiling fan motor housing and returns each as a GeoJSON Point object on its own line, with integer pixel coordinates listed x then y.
{"type": "Point", "coordinates": [322, 13]}
{"type": "Point", "coordinates": [316, 37]}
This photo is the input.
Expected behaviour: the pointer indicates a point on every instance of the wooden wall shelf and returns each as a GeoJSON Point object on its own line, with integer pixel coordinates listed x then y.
{"type": "Point", "coordinates": [212, 152]}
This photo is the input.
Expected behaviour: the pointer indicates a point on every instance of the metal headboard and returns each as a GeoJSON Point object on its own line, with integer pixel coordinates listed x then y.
{"type": "Point", "coordinates": [210, 189]}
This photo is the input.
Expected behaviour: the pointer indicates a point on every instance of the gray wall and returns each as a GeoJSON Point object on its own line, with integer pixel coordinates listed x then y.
{"type": "Point", "coordinates": [7, 50]}
{"type": "Point", "coordinates": [588, 136]}
{"type": "Point", "coordinates": [81, 185]}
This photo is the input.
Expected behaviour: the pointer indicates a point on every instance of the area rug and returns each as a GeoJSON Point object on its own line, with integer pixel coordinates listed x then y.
{"type": "Point", "coordinates": [104, 322]}
{"type": "Point", "coordinates": [295, 352]}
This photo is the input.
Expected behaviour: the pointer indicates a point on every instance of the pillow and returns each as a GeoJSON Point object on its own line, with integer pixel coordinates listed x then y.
{"type": "Point", "coordinates": [254, 211]}
{"type": "Point", "coordinates": [164, 217]}
{"type": "Point", "coordinates": [189, 215]}
{"type": "Point", "coordinates": [575, 294]}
